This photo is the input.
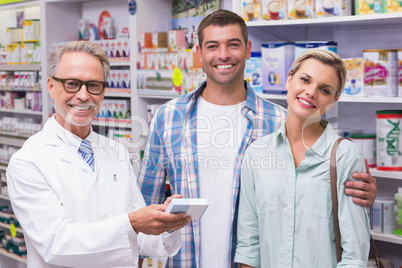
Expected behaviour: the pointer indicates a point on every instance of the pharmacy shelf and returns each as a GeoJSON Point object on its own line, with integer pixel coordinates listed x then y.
{"type": "Point", "coordinates": [376, 19]}
{"type": "Point", "coordinates": [342, 99]}
{"type": "Point", "coordinates": [30, 112]}
{"type": "Point", "coordinates": [120, 62]}
{"type": "Point", "coordinates": [19, 67]}
{"type": "Point", "coordinates": [117, 94]}
{"type": "Point", "coordinates": [12, 141]}
{"type": "Point", "coordinates": [149, 94]}
{"type": "Point", "coordinates": [18, 90]}
{"type": "Point", "coordinates": [4, 197]}
{"type": "Point", "coordinates": [112, 123]}
{"type": "Point", "coordinates": [391, 238]}
{"type": "Point", "coordinates": [3, 167]}
{"type": "Point", "coordinates": [12, 256]}
{"type": "Point", "coordinates": [7, 226]}
{"type": "Point", "coordinates": [20, 4]}
{"type": "Point", "coordinates": [386, 174]}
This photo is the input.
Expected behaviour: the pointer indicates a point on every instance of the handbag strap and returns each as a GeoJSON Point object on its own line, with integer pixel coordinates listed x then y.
{"type": "Point", "coordinates": [333, 177]}
{"type": "Point", "coordinates": [334, 195]}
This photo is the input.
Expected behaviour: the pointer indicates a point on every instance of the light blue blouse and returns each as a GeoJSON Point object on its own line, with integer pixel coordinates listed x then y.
{"type": "Point", "coordinates": [285, 214]}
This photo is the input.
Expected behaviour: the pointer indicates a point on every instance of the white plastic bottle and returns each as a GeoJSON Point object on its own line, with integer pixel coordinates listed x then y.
{"type": "Point", "coordinates": [398, 212]}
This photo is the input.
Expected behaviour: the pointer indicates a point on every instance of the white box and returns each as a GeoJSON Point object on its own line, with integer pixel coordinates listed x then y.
{"type": "Point", "coordinates": [193, 207]}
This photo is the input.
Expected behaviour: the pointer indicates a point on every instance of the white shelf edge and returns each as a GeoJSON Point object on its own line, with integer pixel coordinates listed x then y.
{"type": "Point", "coordinates": [156, 95]}
{"type": "Point", "coordinates": [117, 94]}
{"type": "Point", "coordinates": [112, 124]}
{"type": "Point", "coordinates": [391, 238]}
{"type": "Point", "coordinates": [12, 141]}
{"type": "Point", "coordinates": [387, 18]}
{"type": "Point", "coordinates": [4, 197]}
{"type": "Point", "coordinates": [360, 99]}
{"type": "Point", "coordinates": [20, 111]}
{"type": "Point", "coordinates": [117, 63]}
{"type": "Point", "coordinates": [272, 96]}
{"type": "Point", "coordinates": [20, 4]}
{"type": "Point", "coordinates": [19, 67]}
{"type": "Point", "coordinates": [3, 167]}
{"type": "Point", "coordinates": [12, 256]}
{"type": "Point", "coordinates": [386, 174]}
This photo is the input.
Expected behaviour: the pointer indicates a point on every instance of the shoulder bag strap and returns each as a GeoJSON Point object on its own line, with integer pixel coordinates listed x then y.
{"type": "Point", "coordinates": [333, 176]}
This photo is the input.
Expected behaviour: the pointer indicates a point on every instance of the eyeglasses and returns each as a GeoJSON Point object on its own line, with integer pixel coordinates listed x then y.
{"type": "Point", "coordinates": [74, 85]}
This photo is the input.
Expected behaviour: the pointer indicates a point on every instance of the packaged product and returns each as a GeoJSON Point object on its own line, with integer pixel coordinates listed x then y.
{"type": "Point", "coordinates": [328, 8]}
{"type": "Point", "coordinates": [253, 71]}
{"type": "Point", "coordinates": [302, 46]}
{"type": "Point", "coordinates": [277, 58]}
{"type": "Point", "coordinates": [354, 77]}
{"type": "Point", "coordinates": [273, 9]}
{"type": "Point", "coordinates": [380, 73]}
{"type": "Point", "coordinates": [391, 6]}
{"type": "Point", "coordinates": [367, 7]}
{"type": "Point", "coordinates": [299, 9]}
{"type": "Point", "coordinates": [389, 140]}
{"type": "Point", "coordinates": [250, 10]}
{"type": "Point", "coordinates": [400, 72]}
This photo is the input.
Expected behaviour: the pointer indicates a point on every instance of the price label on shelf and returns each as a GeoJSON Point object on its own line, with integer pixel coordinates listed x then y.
{"type": "Point", "coordinates": [13, 231]}
{"type": "Point", "coordinates": [177, 77]}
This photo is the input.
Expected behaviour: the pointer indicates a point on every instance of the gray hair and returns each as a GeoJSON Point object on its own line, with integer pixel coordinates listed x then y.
{"type": "Point", "coordinates": [78, 46]}
{"type": "Point", "coordinates": [327, 57]}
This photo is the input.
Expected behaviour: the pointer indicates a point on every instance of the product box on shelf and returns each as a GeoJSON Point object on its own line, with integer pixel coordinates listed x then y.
{"type": "Point", "coordinates": [273, 9]}
{"type": "Point", "coordinates": [144, 42]}
{"type": "Point", "coordinates": [14, 53]}
{"type": "Point", "coordinates": [328, 8]}
{"type": "Point", "coordinates": [391, 6]}
{"type": "Point", "coordinates": [367, 7]}
{"type": "Point", "coordinates": [14, 35]}
{"type": "Point", "coordinates": [83, 29]}
{"type": "Point", "coordinates": [253, 71]}
{"type": "Point", "coordinates": [354, 77]}
{"type": "Point", "coordinates": [177, 40]}
{"type": "Point", "coordinates": [302, 46]}
{"type": "Point", "coordinates": [160, 42]}
{"type": "Point", "coordinates": [31, 30]}
{"type": "Point", "coordinates": [299, 9]}
{"type": "Point", "coordinates": [277, 58]}
{"type": "Point", "coordinates": [380, 73]}
{"type": "Point", "coordinates": [250, 10]}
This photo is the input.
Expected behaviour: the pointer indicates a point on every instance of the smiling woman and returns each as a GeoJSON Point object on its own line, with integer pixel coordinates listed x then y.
{"type": "Point", "coordinates": [300, 191]}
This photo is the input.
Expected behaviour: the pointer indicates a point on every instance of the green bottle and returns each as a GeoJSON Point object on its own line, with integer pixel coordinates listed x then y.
{"type": "Point", "coordinates": [398, 212]}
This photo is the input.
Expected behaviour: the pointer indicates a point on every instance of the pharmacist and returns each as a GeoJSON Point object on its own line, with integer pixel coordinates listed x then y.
{"type": "Point", "coordinates": [73, 191]}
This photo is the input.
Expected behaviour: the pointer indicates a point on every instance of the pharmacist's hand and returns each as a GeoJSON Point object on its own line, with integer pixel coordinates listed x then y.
{"type": "Point", "coordinates": [363, 191]}
{"type": "Point", "coordinates": [169, 199]}
{"type": "Point", "coordinates": [153, 220]}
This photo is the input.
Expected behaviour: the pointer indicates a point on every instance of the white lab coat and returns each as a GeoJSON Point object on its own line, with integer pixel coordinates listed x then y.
{"type": "Point", "coordinates": [72, 216]}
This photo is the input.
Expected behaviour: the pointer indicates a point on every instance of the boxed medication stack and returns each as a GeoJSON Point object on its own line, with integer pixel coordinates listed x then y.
{"type": "Point", "coordinates": [277, 58]}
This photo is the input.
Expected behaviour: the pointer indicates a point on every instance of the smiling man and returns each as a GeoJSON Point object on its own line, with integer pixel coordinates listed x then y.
{"type": "Point", "coordinates": [198, 141]}
{"type": "Point", "coordinates": [73, 191]}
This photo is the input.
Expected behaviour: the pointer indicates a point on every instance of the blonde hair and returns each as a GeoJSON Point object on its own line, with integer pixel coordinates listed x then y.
{"type": "Point", "coordinates": [326, 57]}
{"type": "Point", "coordinates": [79, 46]}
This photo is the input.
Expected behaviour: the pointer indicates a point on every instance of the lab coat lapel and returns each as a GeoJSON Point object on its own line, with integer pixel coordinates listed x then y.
{"type": "Point", "coordinates": [51, 139]}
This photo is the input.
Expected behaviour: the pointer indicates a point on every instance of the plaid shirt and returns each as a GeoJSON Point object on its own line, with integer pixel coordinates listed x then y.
{"type": "Point", "coordinates": [171, 150]}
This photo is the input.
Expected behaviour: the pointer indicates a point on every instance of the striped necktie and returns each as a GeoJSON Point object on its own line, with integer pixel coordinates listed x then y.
{"type": "Point", "coordinates": [87, 153]}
